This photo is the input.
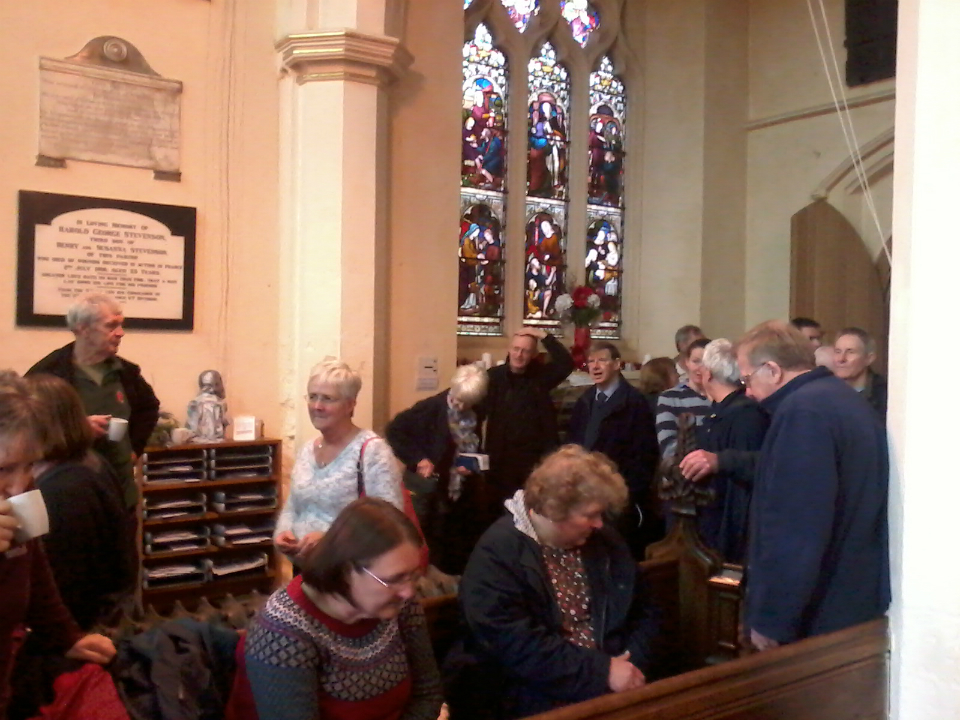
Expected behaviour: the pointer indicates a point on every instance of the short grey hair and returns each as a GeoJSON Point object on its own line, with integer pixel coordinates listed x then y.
{"type": "Point", "coordinates": [86, 309]}
{"type": "Point", "coordinates": [866, 339]}
{"type": "Point", "coordinates": [720, 359]}
{"type": "Point", "coordinates": [469, 384]}
{"type": "Point", "coordinates": [685, 335]}
{"type": "Point", "coordinates": [337, 373]}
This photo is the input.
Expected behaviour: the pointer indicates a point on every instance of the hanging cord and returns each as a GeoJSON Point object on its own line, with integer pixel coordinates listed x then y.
{"type": "Point", "coordinates": [846, 121]}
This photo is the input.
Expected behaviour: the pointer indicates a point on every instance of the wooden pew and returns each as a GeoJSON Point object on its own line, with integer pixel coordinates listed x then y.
{"type": "Point", "coordinates": [839, 676]}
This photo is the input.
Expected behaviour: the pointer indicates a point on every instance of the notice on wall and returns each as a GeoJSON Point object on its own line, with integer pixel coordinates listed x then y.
{"type": "Point", "coordinates": [109, 116]}
{"type": "Point", "coordinates": [139, 253]}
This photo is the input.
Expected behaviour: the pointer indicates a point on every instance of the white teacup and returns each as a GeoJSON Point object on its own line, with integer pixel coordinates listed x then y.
{"type": "Point", "coordinates": [117, 429]}
{"type": "Point", "coordinates": [181, 435]}
{"type": "Point", "coordinates": [31, 512]}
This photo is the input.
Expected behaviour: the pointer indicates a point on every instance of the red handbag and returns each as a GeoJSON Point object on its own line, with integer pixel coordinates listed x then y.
{"type": "Point", "coordinates": [407, 504]}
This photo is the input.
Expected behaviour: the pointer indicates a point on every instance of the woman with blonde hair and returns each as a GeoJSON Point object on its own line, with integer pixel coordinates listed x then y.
{"type": "Point", "coordinates": [331, 471]}
{"type": "Point", "coordinates": [552, 598]}
{"type": "Point", "coordinates": [428, 438]}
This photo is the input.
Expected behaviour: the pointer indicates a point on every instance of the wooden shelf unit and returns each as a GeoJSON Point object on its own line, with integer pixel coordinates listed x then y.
{"type": "Point", "coordinates": [195, 476]}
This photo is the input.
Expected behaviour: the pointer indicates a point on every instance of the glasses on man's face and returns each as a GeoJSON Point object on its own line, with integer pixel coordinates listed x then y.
{"type": "Point", "coordinates": [745, 379]}
{"type": "Point", "coordinates": [393, 583]}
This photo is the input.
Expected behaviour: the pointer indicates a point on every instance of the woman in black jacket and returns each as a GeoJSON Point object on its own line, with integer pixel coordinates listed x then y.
{"type": "Point", "coordinates": [90, 545]}
{"type": "Point", "coordinates": [428, 438]}
{"type": "Point", "coordinates": [553, 601]}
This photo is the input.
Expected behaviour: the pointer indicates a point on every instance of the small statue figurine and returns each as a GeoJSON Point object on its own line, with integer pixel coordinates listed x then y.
{"type": "Point", "coordinates": [207, 412]}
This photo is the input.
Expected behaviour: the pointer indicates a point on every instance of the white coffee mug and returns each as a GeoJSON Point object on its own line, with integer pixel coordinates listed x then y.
{"type": "Point", "coordinates": [117, 429]}
{"type": "Point", "coordinates": [31, 512]}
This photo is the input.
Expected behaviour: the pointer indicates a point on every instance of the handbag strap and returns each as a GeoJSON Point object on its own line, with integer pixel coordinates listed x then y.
{"type": "Point", "coordinates": [361, 487]}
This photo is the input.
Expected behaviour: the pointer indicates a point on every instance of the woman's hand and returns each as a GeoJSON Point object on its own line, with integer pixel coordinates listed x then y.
{"type": "Point", "coordinates": [425, 468]}
{"type": "Point", "coordinates": [287, 542]}
{"type": "Point", "coordinates": [308, 541]}
{"type": "Point", "coordinates": [93, 648]}
{"type": "Point", "coordinates": [462, 471]}
{"type": "Point", "coordinates": [8, 523]}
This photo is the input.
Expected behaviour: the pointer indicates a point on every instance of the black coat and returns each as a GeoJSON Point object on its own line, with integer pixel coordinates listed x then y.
{"type": "Point", "coordinates": [736, 423]}
{"type": "Point", "coordinates": [422, 431]}
{"type": "Point", "coordinates": [144, 405]}
{"type": "Point", "coordinates": [521, 417]}
{"type": "Point", "coordinates": [515, 627]}
{"type": "Point", "coordinates": [624, 432]}
{"type": "Point", "coordinates": [89, 545]}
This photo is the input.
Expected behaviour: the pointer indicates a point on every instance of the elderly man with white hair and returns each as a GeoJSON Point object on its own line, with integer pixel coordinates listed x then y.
{"type": "Point", "coordinates": [108, 385]}
{"type": "Point", "coordinates": [729, 440]}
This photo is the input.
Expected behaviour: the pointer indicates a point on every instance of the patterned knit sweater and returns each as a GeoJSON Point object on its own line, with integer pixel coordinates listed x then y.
{"type": "Point", "coordinates": [303, 664]}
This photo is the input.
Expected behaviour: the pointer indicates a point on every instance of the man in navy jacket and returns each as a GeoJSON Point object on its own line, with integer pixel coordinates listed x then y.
{"type": "Point", "coordinates": [612, 417]}
{"type": "Point", "coordinates": [817, 558]}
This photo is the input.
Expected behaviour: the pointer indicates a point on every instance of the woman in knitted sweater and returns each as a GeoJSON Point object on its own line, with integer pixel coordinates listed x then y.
{"type": "Point", "coordinates": [324, 477]}
{"type": "Point", "coordinates": [346, 639]}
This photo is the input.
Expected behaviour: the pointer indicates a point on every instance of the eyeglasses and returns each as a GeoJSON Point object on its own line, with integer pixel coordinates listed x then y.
{"type": "Point", "coordinates": [409, 578]}
{"type": "Point", "coordinates": [318, 399]}
{"type": "Point", "coordinates": [745, 379]}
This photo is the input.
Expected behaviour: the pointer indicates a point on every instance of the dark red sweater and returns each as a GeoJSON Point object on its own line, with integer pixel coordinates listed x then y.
{"type": "Point", "coordinates": [29, 597]}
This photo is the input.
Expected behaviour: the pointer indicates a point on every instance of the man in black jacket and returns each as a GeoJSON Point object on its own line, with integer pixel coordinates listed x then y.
{"type": "Point", "coordinates": [108, 385]}
{"type": "Point", "coordinates": [521, 418]}
{"type": "Point", "coordinates": [613, 417]}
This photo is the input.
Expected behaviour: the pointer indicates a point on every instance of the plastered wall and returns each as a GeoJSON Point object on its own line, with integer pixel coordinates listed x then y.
{"type": "Point", "coordinates": [223, 54]}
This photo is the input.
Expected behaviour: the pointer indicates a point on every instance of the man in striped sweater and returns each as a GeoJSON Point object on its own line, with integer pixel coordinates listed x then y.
{"type": "Point", "coordinates": [686, 397]}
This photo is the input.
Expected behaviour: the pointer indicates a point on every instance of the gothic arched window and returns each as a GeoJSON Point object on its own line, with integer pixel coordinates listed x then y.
{"type": "Point", "coordinates": [571, 165]}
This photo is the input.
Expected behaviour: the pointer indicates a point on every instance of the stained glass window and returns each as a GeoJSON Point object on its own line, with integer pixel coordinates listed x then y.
{"type": "Point", "coordinates": [608, 105]}
{"type": "Point", "coordinates": [547, 114]}
{"type": "Point", "coordinates": [583, 19]}
{"type": "Point", "coordinates": [481, 266]}
{"type": "Point", "coordinates": [545, 270]}
{"type": "Point", "coordinates": [521, 11]}
{"type": "Point", "coordinates": [603, 267]}
{"type": "Point", "coordinates": [483, 121]}
{"type": "Point", "coordinates": [482, 174]}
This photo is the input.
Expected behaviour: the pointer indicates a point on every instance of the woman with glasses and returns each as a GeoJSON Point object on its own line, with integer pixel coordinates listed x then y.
{"type": "Point", "coordinates": [325, 477]}
{"type": "Point", "coordinates": [28, 595]}
{"type": "Point", "coordinates": [555, 608]}
{"type": "Point", "coordinates": [346, 639]}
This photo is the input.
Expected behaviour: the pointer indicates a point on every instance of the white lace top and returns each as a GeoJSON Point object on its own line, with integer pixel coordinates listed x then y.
{"type": "Point", "coordinates": [318, 494]}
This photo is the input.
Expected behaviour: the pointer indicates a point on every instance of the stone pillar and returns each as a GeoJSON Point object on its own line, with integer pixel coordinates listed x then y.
{"type": "Point", "coordinates": [334, 169]}
{"type": "Point", "coordinates": [925, 494]}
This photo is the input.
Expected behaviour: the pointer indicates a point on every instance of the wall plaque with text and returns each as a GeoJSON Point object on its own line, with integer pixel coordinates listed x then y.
{"type": "Point", "coordinates": [142, 254]}
{"type": "Point", "coordinates": [105, 104]}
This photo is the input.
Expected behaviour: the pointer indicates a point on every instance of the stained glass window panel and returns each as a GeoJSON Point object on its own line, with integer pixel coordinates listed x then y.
{"type": "Point", "coordinates": [545, 267]}
{"type": "Point", "coordinates": [582, 17]}
{"type": "Point", "coordinates": [521, 11]}
{"type": "Point", "coordinates": [481, 264]}
{"type": "Point", "coordinates": [608, 106]}
{"type": "Point", "coordinates": [603, 267]}
{"type": "Point", "coordinates": [547, 115]}
{"type": "Point", "coordinates": [483, 120]}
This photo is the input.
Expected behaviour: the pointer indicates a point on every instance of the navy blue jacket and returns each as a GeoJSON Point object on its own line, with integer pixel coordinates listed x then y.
{"type": "Point", "coordinates": [736, 423]}
{"type": "Point", "coordinates": [516, 627]}
{"type": "Point", "coordinates": [818, 558]}
{"type": "Point", "coordinates": [625, 433]}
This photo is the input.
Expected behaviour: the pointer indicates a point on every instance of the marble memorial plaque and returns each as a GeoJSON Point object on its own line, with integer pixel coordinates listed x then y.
{"type": "Point", "coordinates": [93, 107]}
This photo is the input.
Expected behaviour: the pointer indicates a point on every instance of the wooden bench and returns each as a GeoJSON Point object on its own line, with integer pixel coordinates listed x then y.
{"type": "Point", "coordinates": [839, 676]}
